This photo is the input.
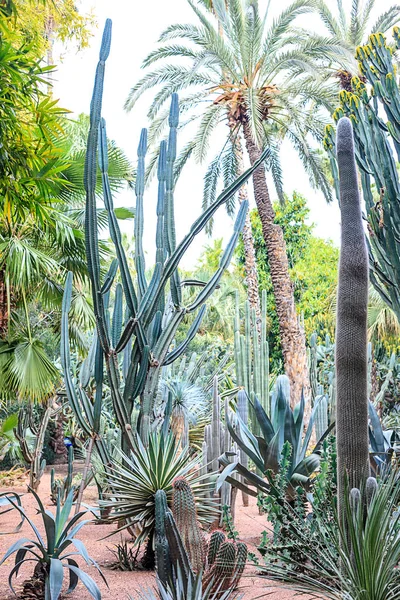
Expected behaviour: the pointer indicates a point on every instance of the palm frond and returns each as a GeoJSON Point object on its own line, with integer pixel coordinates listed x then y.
{"type": "Point", "coordinates": [387, 20]}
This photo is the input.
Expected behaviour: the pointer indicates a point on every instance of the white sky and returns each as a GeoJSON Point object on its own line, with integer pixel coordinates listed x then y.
{"type": "Point", "coordinates": [136, 28]}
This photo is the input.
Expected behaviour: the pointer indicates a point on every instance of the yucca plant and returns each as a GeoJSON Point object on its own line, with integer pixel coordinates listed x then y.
{"type": "Point", "coordinates": [135, 480]}
{"type": "Point", "coordinates": [284, 427]}
{"type": "Point", "coordinates": [356, 562]}
{"type": "Point", "coordinates": [53, 553]}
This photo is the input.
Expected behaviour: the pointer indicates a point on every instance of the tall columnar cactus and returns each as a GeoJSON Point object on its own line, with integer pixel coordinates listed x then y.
{"type": "Point", "coordinates": [375, 138]}
{"type": "Point", "coordinates": [153, 314]}
{"type": "Point", "coordinates": [184, 511]}
{"type": "Point", "coordinates": [351, 330]}
{"type": "Point", "coordinates": [252, 354]}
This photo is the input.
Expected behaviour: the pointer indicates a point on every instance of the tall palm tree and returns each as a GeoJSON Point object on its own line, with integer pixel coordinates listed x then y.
{"type": "Point", "coordinates": [353, 29]}
{"type": "Point", "coordinates": [262, 78]}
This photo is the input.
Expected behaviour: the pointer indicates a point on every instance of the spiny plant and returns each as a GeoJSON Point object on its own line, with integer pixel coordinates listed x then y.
{"type": "Point", "coordinates": [355, 557]}
{"type": "Point", "coordinates": [375, 116]}
{"type": "Point", "coordinates": [134, 480]}
{"type": "Point", "coordinates": [223, 565]}
{"type": "Point", "coordinates": [351, 330]}
{"type": "Point", "coordinates": [52, 553]}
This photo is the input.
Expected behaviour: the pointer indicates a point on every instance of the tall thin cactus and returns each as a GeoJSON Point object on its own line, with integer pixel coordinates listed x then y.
{"type": "Point", "coordinates": [351, 331]}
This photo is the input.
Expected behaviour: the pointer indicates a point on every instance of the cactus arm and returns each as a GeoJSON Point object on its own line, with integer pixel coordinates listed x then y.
{"type": "Point", "coordinates": [109, 279]}
{"type": "Point", "coordinates": [175, 354]}
{"type": "Point", "coordinates": [169, 220]}
{"type": "Point", "coordinates": [225, 259]}
{"type": "Point", "coordinates": [161, 174]}
{"type": "Point", "coordinates": [139, 215]}
{"type": "Point", "coordinates": [351, 330]}
{"type": "Point", "coordinates": [98, 376]}
{"type": "Point", "coordinates": [115, 233]}
{"type": "Point", "coordinates": [90, 176]}
{"type": "Point", "coordinates": [173, 261]}
{"type": "Point", "coordinates": [66, 359]}
{"type": "Point", "coordinates": [117, 316]}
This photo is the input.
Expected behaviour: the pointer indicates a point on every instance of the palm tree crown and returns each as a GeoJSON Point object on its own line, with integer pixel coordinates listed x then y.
{"type": "Point", "coordinates": [242, 67]}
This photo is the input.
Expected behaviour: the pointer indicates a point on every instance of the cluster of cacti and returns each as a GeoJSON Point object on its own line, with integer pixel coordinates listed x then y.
{"type": "Point", "coordinates": [252, 355]}
{"type": "Point", "coordinates": [152, 314]}
{"type": "Point", "coordinates": [351, 330]}
{"type": "Point", "coordinates": [61, 487]}
{"type": "Point", "coordinates": [217, 442]}
{"type": "Point", "coordinates": [375, 140]}
{"type": "Point", "coordinates": [32, 451]}
{"type": "Point", "coordinates": [179, 541]}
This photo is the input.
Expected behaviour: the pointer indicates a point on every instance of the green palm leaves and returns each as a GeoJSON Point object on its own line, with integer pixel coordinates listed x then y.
{"type": "Point", "coordinates": [135, 481]}
{"type": "Point", "coordinates": [240, 66]}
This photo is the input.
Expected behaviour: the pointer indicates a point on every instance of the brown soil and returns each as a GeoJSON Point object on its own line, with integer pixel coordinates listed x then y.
{"type": "Point", "coordinates": [122, 584]}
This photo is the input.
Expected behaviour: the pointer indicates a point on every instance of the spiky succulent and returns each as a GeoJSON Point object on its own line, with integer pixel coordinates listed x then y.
{"type": "Point", "coordinates": [54, 552]}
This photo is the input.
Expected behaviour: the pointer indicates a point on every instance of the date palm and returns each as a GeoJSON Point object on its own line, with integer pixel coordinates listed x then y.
{"type": "Point", "coordinates": [353, 29]}
{"type": "Point", "coordinates": [261, 77]}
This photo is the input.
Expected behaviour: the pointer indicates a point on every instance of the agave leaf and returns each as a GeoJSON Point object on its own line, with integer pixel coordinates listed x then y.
{"type": "Point", "coordinates": [56, 578]}
{"type": "Point", "coordinates": [87, 581]}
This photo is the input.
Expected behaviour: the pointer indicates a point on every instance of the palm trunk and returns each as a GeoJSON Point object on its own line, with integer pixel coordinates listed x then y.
{"type": "Point", "coordinates": [3, 306]}
{"type": "Point", "coordinates": [250, 266]}
{"type": "Point", "coordinates": [291, 333]}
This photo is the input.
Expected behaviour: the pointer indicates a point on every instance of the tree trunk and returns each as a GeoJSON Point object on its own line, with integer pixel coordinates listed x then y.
{"type": "Point", "coordinates": [250, 266]}
{"type": "Point", "coordinates": [3, 306]}
{"type": "Point", "coordinates": [291, 333]}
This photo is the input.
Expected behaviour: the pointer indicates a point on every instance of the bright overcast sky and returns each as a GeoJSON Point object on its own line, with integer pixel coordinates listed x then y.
{"type": "Point", "coordinates": [136, 28]}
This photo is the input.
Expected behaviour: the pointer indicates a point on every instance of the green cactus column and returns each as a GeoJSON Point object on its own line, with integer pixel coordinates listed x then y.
{"type": "Point", "coordinates": [351, 330]}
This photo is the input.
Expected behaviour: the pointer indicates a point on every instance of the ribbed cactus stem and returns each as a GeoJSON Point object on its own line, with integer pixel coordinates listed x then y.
{"type": "Point", "coordinates": [351, 330]}
{"type": "Point", "coordinates": [161, 546]}
{"type": "Point", "coordinates": [215, 425]}
{"type": "Point", "coordinates": [321, 416]}
{"type": "Point", "coordinates": [184, 511]}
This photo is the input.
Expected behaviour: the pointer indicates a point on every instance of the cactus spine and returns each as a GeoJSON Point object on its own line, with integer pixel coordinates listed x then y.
{"type": "Point", "coordinates": [184, 511]}
{"type": "Point", "coordinates": [351, 331]}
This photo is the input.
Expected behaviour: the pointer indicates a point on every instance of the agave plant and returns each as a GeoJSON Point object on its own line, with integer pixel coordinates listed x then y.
{"type": "Point", "coordinates": [285, 427]}
{"type": "Point", "coordinates": [183, 589]}
{"type": "Point", "coordinates": [135, 480]}
{"type": "Point", "coordinates": [54, 553]}
{"type": "Point", "coordinates": [382, 443]}
{"type": "Point", "coordinates": [356, 562]}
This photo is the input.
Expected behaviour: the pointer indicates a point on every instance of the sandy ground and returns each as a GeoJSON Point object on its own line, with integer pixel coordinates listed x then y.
{"type": "Point", "coordinates": [122, 584]}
